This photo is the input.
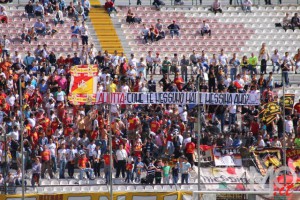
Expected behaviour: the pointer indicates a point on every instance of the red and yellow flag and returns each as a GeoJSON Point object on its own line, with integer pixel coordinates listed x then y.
{"type": "Point", "coordinates": [83, 85]}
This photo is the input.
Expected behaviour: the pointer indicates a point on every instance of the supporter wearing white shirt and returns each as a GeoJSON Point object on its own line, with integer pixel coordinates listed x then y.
{"type": "Point", "coordinates": [187, 139]}
{"type": "Point", "coordinates": [122, 58]}
{"type": "Point", "coordinates": [260, 142]}
{"type": "Point", "coordinates": [62, 156]}
{"type": "Point", "coordinates": [115, 59]}
{"type": "Point", "coordinates": [131, 73]}
{"type": "Point", "coordinates": [133, 61]}
{"type": "Point", "coordinates": [247, 5]}
{"type": "Point", "coordinates": [275, 58]}
{"type": "Point", "coordinates": [184, 115]}
{"type": "Point", "coordinates": [11, 99]}
{"type": "Point", "coordinates": [223, 59]}
{"type": "Point", "coordinates": [31, 120]}
{"type": "Point", "coordinates": [60, 95]}
{"type": "Point", "coordinates": [289, 128]}
{"type": "Point", "coordinates": [149, 62]}
{"type": "Point", "coordinates": [232, 115]}
{"type": "Point", "coordinates": [91, 148]}
{"type": "Point", "coordinates": [14, 134]}
{"type": "Point", "coordinates": [125, 88]}
{"type": "Point", "coordinates": [228, 141]}
{"type": "Point", "coordinates": [287, 58]}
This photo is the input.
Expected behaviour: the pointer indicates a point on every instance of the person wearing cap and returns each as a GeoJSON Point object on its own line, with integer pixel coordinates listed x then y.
{"type": "Point", "coordinates": [174, 29]}
{"type": "Point", "coordinates": [185, 168]}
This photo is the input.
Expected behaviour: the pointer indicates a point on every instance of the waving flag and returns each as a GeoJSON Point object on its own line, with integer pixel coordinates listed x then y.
{"type": "Point", "coordinates": [83, 85]}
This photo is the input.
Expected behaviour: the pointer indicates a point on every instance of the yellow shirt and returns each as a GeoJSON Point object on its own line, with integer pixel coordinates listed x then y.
{"type": "Point", "coordinates": [112, 87]}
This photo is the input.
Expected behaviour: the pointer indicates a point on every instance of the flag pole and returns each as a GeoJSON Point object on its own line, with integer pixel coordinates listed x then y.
{"type": "Point", "coordinates": [22, 140]}
{"type": "Point", "coordinates": [199, 135]}
{"type": "Point", "coordinates": [284, 135]}
{"type": "Point", "coordinates": [110, 153]}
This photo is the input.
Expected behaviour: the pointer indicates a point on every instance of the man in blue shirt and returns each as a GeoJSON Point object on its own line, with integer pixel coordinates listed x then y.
{"type": "Point", "coordinates": [28, 61]}
{"type": "Point", "coordinates": [39, 10]}
{"type": "Point", "coordinates": [39, 27]}
{"type": "Point", "coordinates": [185, 168]}
{"type": "Point", "coordinates": [76, 60]}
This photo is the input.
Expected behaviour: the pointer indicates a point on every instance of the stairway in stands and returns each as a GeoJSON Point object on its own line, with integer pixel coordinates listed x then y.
{"type": "Point", "coordinates": [104, 28]}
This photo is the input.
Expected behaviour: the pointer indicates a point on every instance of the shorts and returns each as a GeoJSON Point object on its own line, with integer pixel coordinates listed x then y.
{"type": "Point", "coordinates": [74, 39]}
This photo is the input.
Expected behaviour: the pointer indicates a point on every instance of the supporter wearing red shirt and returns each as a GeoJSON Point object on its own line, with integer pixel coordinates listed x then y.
{"type": "Point", "coordinates": [132, 127]}
{"type": "Point", "coordinates": [178, 80]}
{"type": "Point", "coordinates": [46, 161]}
{"type": "Point", "coordinates": [54, 125]}
{"type": "Point", "coordinates": [68, 61]}
{"type": "Point", "coordinates": [95, 134]}
{"type": "Point", "coordinates": [189, 152]}
{"type": "Point", "coordinates": [254, 127]}
{"type": "Point", "coordinates": [297, 107]}
{"type": "Point", "coordinates": [61, 61]}
{"type": "Point", "coordinates": [154, 126]}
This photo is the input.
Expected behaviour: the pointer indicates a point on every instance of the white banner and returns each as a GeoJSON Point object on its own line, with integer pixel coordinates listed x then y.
{"type": "Point", "coordinates": [179, 98]}
{"type": "Point", "coordinates": [227, 157]}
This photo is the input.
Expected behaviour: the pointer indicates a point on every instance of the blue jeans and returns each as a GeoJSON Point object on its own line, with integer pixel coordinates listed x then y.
{"type": "Point", "coordinates": [232, 117]}
{"type": "Point", "coordinates": [42, 32]}
{"type": "Point", "coordinates": [107, 174]}
{"type": "Point", "coordinates": [185, 178]}
{"type": "Point", "coordinates": [103, 145]}
{"type": "Point", "coordinates": [5, 53]}
{"type": "Point", "coordinates": [204, 64]}
{"type": "Point", "coordinates": [30, 15]}
{"type": "Point", "coordinates": [56, 21]}
{"type": "Point", "coordinates": [274, 66]}
{"type": "Point", "coordinates": [109, 10]}
{"type": "Point", "coordinates": [87, 170]}
{"type": "Point", "coordinates": [129, 176]}
{"type": "Point", "coordinates": [54, 164]}
{"type": "Point", "coordinates": [174, 32]}
{"type": "Point", "coordinates": [233, 73]}
{"type": "Point", "coordinates": [175, 179]}
{"type": "Point", "coordinates": [221, 117]}
{"type": "Point", "coordinates": [285, 77]}
{"type": "Point", "coordinates": [62, 168]}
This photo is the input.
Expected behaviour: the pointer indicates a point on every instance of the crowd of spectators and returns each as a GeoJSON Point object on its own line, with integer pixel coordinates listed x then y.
{"type": "Point", "coordinates": [158, 140]}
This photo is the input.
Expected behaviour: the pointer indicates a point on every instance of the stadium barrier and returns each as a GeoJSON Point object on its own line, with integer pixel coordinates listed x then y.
{"type": "Point", "coordinates": [178, 195]}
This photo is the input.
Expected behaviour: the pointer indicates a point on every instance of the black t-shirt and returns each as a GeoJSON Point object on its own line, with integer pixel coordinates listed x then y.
{"type": "Point", "coordinates": [99, 59]}
{"type": "Point", "coordinates": [232, 89]}
{"type": "Point", "coordinates": [165, 82]}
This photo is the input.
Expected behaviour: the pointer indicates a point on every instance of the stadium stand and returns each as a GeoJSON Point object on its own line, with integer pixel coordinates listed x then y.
{"type": "Point", "coordinates": [62, 133]}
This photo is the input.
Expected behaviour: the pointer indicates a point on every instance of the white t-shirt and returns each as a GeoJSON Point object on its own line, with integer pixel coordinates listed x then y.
{"type": "Point", "coordinates": [14, 135]}
{"type": "Point", "coordinates": [149, 59]}
{"type": "Point", "coordinates": [223, 59]}
{"type": "Point", "coordinates": [11, 100]}
{"type": "Point", "coordinates": [71, 154]}
{"type": "Point", "coordinates": [289, 126]}
{"type": "Point", "coordinates": [52, 148]}
{"type": "Point", "coordinates": [275, 58]}
{"type": "Point", "coordinates": [91, 148]}
{"type": "Point", "coordinates": [232, 109]}
{"type": "Point", "coordinates": [62, 154]}
{"type": "Point", "coordinates": [60, 96]}
{"type": "Point", "coordinates": [125, 88]}
{"type": "Point", "coordinates": [121, 154]}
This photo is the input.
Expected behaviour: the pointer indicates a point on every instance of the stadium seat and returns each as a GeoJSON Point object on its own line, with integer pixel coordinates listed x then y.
{"type": "Point", "coordinates": [103, 188]}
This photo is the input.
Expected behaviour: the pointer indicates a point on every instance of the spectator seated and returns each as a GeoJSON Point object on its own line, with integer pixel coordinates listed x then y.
{"type": "Point", "coordinates": [286, 22]}
{"type": "Point", "coordinates": [205, 29]}
{"type": "Point", "coordinates": [158, 4]}
{"type": "Point", "coordinates": [246, 6]}
{"type": "Point", "coordinates": [29, 10]}
{"type": "Point", "coordinates": [110, 7]}
{"type": "Point", "coordinates": [40, 27]}
{"type": "Point", "coordinates": [3, 15]}
{"type": "Point", "coordinates": [216, 7]}
{"type": "Point", "coordinates": [39, 10]}
{"type": "Point", "coordinates": [131, 18]}
{"type": "Point", "coordinates": [174, 29]}
{"type": "Point", "coordinates": [58, 16]}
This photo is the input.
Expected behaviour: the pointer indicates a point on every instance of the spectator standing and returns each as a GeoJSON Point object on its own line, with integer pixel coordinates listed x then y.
{"type": "Point", "coordinates": [234, 66]}
{"type": "Point", "coordinates": [71, 155]}
{"type": "Point", "coordinates": [264, 57]}
{"type": "Point", "coordinates": [286, 67]}
{"type": "Point", "coordinates": [5, 44]}
{"type": "Point", "coordinates": [185, 168]}
{"type": "Point", "coordinates": [253, 60]}
{"type": "Point", "coordinates": [62, 155]}
{"type": "Point", "coordinates": [36, 172]}
{"type": "Point", "coordinates": [275, 58]}
{"type": "Point", "coordinates": [184, 63]}
{"type": "Point", "coordinates": [84, 34]}
{"type": "Point", "coordinates": [296, 59]}
{"type": "Point", "coordinates": [46, 161]}
{"type": "Point", "coordinates": [189, 152]}
{"type": "Point", "coordinates": [96, 160]}
{"type": "Point", "coordinates": [121, 157]}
